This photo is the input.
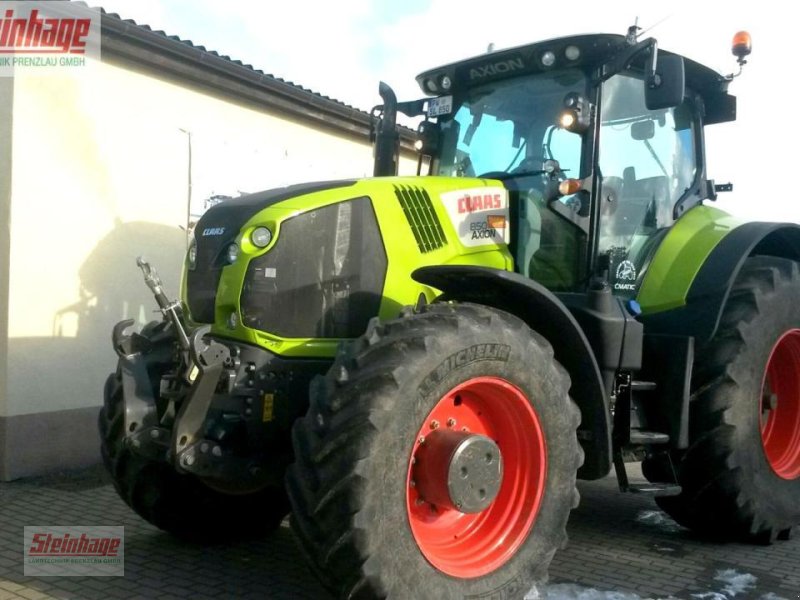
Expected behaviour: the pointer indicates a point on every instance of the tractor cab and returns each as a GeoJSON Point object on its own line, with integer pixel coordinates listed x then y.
{"type": "Point", "coordinates": [598, 138]}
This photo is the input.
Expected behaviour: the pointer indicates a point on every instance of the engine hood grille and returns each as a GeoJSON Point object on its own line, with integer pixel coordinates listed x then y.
{"type": "Point", "coordinates": [418, 209]}
{"type": "Point", "coordinates": [324, 276]}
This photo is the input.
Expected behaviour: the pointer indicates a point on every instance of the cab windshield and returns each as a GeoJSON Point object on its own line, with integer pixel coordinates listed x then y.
{"type": "Point", "coordinates": [511, 126]}
{"type": "Point", "coordinates": [508, 130]}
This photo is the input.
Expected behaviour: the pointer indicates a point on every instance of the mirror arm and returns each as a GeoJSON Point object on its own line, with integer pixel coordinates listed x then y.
{"type": "Point", "coordinates": [412, 108]}
{"type": "Point", "coordinates": [653, 78]}
{"type": "Point", "coordinates": [622, 61]}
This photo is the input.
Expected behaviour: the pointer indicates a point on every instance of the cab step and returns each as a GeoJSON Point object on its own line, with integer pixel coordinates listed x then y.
{"type": "Point", "coordinates": [640, 437]}
{"type": "Point", "coordinates": [654, 489]}
{"type": "Point", "coordinates": [643, 386]}
{"type": "Point", "coordinates": [651, 489]}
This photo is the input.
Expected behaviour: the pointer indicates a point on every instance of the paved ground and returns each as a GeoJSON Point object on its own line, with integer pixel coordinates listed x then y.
{"type": "Point", "coordinates": [621, 548]}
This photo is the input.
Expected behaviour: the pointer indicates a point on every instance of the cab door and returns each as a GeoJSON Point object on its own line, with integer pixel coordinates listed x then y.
{"type": "Point", "coordinates": [647, 161]}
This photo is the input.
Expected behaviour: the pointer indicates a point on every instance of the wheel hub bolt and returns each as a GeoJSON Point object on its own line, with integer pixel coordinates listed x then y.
{"type": "Point", "coordinates": [451, 422]}
{"type": "Point", "coordinates": [434, 424]}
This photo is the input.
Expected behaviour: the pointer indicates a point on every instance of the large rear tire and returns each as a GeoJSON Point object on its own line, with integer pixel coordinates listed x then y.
{"type": "Point", "coordinates": [180, 504]}
{"type": "Point", "coordinates": [741, 473]}
{"type": "Point", "coordinates": [368, 512]}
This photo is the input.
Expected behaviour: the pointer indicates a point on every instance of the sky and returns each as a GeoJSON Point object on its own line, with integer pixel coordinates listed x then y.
{"type": "Point", "coordinates": [343, 48]}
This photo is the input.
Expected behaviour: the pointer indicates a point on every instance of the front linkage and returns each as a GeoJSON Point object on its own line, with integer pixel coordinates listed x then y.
{"type": "Point", "coordinates": [169, 379]}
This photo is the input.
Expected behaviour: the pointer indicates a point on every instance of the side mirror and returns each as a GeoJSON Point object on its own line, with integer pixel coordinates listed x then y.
{"type": "Point", "coordinates": [665, 88]}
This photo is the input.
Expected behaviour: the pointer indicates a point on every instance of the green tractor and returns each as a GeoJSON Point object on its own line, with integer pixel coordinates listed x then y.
{"type": "Point", "coordinates": [419, 368]}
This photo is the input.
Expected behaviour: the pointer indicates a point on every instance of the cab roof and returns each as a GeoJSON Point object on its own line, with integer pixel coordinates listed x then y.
{"type": "Point", "coordinates": [593, 50]}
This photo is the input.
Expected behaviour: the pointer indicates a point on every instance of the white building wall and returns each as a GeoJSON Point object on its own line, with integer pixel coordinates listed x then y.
{"type": "Point", "coordinates": [6, 98]}
{"type": "Point", "coordinates": [99, 175]}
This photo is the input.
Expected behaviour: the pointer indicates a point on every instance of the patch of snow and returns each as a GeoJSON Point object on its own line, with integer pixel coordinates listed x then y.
{"type": "Point", "coordinates": [658, 519]}
{"type": "Point", "coordinates": [735, 583]}
{"type": "Point", "coordinates": [711, 596]}
{"type": "Point", "coordinates": [571, 591]}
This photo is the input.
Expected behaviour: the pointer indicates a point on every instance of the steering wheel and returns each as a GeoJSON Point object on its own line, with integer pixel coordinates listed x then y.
{"type": "Point", "coordinates": [529, 163]}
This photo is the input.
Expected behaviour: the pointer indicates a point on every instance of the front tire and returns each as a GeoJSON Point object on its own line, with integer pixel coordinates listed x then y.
{"type": "Point", "coordinates": [373, 521]}
{"type": "Point", "coordinates": [741, 473]}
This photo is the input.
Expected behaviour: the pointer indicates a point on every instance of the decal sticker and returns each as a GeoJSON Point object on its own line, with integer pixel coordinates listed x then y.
{"type": "Point", "coordinates": [440, 106]}
{"type": "Point", "coordinates": [479, 215]}
{"type": "Point", "coordinates": [496, 221]}
{"type": "Point", "coordinates": [213, 231]}
{"type": "Point", "coordinates": [498, 68]}
{"type": "Point", "coordinates": [625, 276]}
{"type": "Point", "coordinates": [269, 404]}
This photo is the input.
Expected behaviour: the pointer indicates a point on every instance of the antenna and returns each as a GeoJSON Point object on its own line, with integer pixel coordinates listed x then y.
{"type": "Point", "coordinates": [635, 32]}
{"type": "Point", "coordinates": [632, 34]}
{"type": "Point", "coordinates": [656, 24]}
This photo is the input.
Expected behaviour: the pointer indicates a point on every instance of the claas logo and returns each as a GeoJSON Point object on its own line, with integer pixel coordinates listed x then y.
{"type": "Point", "coordinates": [468, 204]}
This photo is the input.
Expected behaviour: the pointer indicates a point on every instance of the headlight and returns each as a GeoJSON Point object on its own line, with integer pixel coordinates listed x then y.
{"type": "Point", "coordinates": [232, 253]}
{"type": "Point", "coordinates": [261, 237]}
{"type": "Point", "coordinates": [191, 255]}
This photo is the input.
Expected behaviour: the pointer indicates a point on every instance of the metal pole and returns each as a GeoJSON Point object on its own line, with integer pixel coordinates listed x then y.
{"type": "Point", "coordinates": [188, 185]}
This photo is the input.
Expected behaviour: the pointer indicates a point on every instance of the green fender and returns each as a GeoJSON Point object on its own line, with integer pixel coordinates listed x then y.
{"type": "Point", "coordinates": [687, 283]}
{"type": "Point", "coordinates": [680, 257]}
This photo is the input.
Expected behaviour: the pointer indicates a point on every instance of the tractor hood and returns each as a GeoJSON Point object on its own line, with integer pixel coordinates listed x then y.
{"type": "Point", "coordinates": [338, 254]}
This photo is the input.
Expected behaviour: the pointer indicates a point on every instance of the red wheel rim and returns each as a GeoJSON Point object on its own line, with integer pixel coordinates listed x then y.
{"type": "Point", "coordinates": [780, 408]}
{"type": "Point", "coordinates": [471, 545]}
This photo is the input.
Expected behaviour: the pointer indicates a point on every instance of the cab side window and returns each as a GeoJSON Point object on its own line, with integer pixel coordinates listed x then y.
{"type": "Point", "coordinates": [647, 162]}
